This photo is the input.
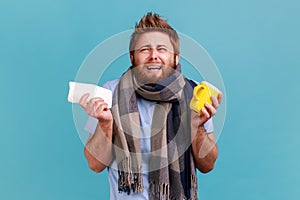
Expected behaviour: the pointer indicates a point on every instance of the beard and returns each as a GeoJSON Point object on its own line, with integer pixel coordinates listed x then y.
{"type": "Point", "coordinates": [150, 73]}
{"type": "Point", "coordinates": [154, 76]}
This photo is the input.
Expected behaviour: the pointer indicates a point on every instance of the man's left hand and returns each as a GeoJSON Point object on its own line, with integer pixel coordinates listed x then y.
{"type": "Point", "coordinates": [208, 111]}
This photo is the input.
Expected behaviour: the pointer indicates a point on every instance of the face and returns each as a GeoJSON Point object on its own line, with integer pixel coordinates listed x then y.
{"type": "Point", "coordinates": [153, 58]}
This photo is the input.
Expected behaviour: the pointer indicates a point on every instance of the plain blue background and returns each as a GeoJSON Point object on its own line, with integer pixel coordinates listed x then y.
{"type": "Point", "coordinates": [255, 45]}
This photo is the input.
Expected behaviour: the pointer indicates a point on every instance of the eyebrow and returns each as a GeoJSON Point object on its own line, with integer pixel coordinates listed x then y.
{"type": "Point", "coordinates": [149, 46]}
{"type": "Point", "coordinates": [162, 45]}
{"type": "Point", "coordinates": [146, 45]}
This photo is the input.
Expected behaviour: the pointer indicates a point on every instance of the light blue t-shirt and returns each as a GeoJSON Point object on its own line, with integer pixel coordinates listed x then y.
{"type": "Point", "coordinates": [146, 109]}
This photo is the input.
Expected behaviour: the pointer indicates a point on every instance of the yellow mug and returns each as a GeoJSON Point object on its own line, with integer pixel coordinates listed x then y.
{"type": "Point", "coordinates": [202, 94]}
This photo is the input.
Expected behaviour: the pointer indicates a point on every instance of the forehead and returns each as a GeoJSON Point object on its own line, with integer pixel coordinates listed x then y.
{"type": "Point", "coordinates": [153, 39]}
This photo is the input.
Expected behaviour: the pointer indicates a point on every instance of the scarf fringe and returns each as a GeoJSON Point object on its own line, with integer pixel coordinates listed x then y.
{"type": "Point", "coordinates": [129, 181]}
{"type": "Point", "coordinates": [194, 188]}
{"type": "Point", "coordinates": [161, 191]}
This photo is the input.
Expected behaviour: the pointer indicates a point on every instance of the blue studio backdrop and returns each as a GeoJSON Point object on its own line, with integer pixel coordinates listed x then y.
{"type": "Point", "coordinates": [255, 45]}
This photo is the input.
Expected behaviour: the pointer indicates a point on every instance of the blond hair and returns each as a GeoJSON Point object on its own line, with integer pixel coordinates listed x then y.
{"type": "Point", "coordinates": [154, 22]}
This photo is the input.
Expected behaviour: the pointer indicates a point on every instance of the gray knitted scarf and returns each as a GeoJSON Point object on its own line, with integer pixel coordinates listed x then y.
{"type": "Point", "coordinates": [172, 173]}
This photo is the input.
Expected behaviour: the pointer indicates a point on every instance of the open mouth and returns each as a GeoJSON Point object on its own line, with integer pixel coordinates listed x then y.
{"type": "Point", "coordinates": [153, 67]}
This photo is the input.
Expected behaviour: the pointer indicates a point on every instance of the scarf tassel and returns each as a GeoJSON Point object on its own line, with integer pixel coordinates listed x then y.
{"type": "Point", "coordinates": [159, 191]}
{"type": "Point", "coordinates": [194, 188]}
{"type": "Point", "coordinates": [127, 179]}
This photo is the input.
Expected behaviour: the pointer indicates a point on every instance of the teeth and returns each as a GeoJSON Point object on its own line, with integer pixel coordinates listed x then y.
{"type": "Point", "coordinates": [153, 67]}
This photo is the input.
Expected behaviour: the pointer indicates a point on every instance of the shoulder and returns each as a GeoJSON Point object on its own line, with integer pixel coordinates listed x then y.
{"type": "Point", "coordinates": [111, 85]}
{"type": "Point", "coordinates": [192, 82]}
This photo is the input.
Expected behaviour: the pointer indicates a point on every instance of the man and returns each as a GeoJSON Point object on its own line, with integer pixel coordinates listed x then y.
{"type": "Point", "coordinates": [150, 141]}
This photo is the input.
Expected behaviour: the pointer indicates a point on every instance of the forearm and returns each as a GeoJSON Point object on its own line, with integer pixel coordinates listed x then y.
{"type": "Point", "coordinates": [204, 149]}
{"type": "Point", "coordinates": [98, 149]}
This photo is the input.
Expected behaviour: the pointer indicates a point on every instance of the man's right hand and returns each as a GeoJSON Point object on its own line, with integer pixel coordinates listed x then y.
{"type": "Point", "coordinates": [97, 108]}
{"type": "Point", "coordinates": [98, 149]}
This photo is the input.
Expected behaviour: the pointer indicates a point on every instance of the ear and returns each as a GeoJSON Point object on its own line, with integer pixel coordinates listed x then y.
{"type": "Point", "coordinates": [177, 59]}
{"type": "Point", "coordinates": [131, 58]}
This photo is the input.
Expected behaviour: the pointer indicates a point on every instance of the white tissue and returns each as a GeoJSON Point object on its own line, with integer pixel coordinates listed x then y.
{"type": "Point", "coordinates": [76, 90]}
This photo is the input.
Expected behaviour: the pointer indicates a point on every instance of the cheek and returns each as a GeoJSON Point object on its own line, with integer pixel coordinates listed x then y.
{"type": "Point", "coordinates": [140, 59]}
{"type": "Point", "coordinates": [168, 59]}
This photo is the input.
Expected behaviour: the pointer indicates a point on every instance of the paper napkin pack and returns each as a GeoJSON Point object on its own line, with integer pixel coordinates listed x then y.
{"type": "Point", "coordinates": [76, 90]}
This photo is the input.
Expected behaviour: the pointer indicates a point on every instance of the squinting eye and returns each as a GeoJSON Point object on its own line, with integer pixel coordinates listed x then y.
{"type": "Point", "coordinates": [162, 49]}
{"type": "Point", "coordinates": [144, 50]}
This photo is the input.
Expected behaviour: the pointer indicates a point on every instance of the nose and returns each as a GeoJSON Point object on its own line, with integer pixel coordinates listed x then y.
{"type": "Point", "coordinates": [153, 54]}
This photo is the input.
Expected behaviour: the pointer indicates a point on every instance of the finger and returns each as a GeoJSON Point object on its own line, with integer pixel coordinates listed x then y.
{"type": "Point", "coordinates": [92, 103]}
{"type": "Point", "coordinates": [210, 109]}
{"type": "Point", "coordinates": [83, 100]}
{"type": "Point", "coordinates": [102, 107]}
{"type": "Point", "coordinates": [220, 96]}
{"type": "Point", "coordinates": [204, 114]}
{"type": "Point", "coordinates": [97, 107]}
{"type": "Point", "coordinates": [91, 107]}
{"type": "Point", "coordinates": [100, 110]}
{"type": "Point", "coordinates": [105, 106]}
{"type": "Point", "coordinates": [95, 99]}
{"type": "Point", "coordinates": [215, 102]}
